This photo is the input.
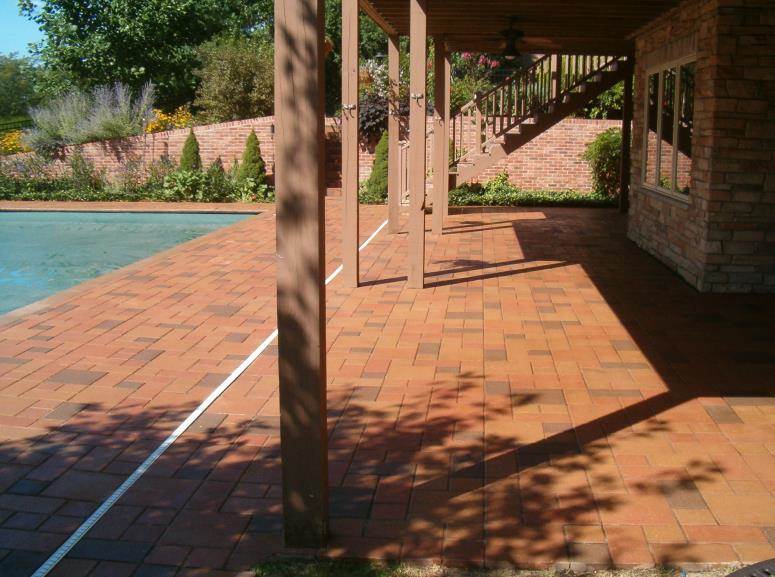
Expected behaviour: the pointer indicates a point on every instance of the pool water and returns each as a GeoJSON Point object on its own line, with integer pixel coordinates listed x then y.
{"type": "Point", "coordinates": [42, 253]}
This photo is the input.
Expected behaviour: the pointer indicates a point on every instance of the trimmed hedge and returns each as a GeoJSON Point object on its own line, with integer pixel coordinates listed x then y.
{"type": "Point", "coordinates": [375, 189]}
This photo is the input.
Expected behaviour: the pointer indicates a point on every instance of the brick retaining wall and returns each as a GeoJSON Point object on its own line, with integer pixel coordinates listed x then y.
{"type": "Point", "coordinates": [552, 161]}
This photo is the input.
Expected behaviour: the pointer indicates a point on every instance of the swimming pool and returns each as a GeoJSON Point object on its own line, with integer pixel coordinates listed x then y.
{"type": "Point", "coordinates": [42, 253]}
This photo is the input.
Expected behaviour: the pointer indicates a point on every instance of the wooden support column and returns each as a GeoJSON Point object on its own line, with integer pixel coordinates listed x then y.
{"type": "Point", "coordinates": [300, 159]}
{"type": "Point", "coordinates": [624, 188]}
{"type": "Point", "coordinates": [394, 174]}
{"type": "Point", "coordinates": [350, 172]}
{"type": "Point", "coordinates": [417, 134]}
{"type": "Point", "coordinates": [442, 69]}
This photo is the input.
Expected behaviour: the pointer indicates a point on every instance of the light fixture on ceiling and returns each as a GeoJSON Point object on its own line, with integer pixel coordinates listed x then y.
{"type": "Point", "coordinates": [512, 36]}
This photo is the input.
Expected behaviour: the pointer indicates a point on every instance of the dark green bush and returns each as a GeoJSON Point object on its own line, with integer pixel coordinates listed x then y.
{"type": "Point", "coordinates": [189, 158]}
{"type": "Point", "coordinates": [252, 165]}
{"type": "Point", "coordinates": [375, 189]}
{"type": "Point", "coordinates": [603, 155]}
{"type": "Point", "coordinates": [500, 192]}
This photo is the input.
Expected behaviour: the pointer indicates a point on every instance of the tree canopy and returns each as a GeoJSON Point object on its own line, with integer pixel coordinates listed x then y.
{"type": "Point", "coordinates": [17, 85]}
{"type": "Point", "coordinates": [97, 42]}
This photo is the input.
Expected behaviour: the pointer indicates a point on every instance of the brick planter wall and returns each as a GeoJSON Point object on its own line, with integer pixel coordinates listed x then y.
{"type": "Point", "coordinates": [552, 161]}
{"type": "Point", "coordinates": [722, 238]}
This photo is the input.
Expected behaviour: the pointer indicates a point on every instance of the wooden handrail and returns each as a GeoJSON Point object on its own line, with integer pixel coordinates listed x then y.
{"type": "Point", "coordinates": [521, 96]}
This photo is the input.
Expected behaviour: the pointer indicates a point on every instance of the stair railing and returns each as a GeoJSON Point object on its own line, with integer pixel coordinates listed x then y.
{"type": "Point", "coordinates": [520, 97]}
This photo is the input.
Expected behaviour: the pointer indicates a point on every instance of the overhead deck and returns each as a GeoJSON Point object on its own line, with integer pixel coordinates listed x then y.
{"type": "Point", "coordinates": [549, 25]}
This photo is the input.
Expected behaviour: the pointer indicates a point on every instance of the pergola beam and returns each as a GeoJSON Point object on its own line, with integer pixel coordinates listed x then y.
{"type": "Point", "coordinates": [417, 135]}
{"type": "Point", "coordinates": [300, 154]}
{"type": "Point", "coordinates": [350, 171]}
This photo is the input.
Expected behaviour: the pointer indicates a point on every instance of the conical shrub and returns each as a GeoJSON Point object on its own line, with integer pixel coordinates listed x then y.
{"type": "Point", "coordinates": [189, 158]}
{"type": "Point", "coordinates": [252, 165]}
{"type": "Point", "coordinates": [375, 189]}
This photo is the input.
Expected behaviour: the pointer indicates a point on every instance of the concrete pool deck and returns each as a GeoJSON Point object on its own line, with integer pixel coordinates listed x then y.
{"type": "Point", "coordinates": [554, 397]}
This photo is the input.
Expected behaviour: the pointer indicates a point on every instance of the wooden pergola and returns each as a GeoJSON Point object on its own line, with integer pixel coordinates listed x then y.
{"type": "Point", "coordinates": [549, 26]}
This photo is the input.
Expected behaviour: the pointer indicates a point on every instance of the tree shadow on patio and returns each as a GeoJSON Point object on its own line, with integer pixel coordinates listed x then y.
{"type": "Point", "coordinates": [534, 498]}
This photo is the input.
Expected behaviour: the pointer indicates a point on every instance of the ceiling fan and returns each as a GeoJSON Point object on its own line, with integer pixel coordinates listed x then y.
{"type": "Point", "coordinates": [512, 37]}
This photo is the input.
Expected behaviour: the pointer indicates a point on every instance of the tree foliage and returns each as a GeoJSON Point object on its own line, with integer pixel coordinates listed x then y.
{"type": "Point", "coordinates": [17, 85]}
{"type": "Point", "coordinates": [96, 42]}
{"type": "Point", "coordinates": [236, 78]}
{"type": "Point", "coordinates": [607, 105]}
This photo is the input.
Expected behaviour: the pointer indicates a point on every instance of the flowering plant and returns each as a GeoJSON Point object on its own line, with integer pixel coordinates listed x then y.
{"type": "Point", "coordinates": [179, 118]}
{"type": "Point", "coordinates": [11, 143]}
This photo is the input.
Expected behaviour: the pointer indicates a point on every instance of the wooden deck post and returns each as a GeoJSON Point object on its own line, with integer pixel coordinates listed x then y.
{"type": "Point", "coordinates": [417, 134]}
{"type": "Point", "coordinates": [394, 174]}
{"type": "Point", "coordinates": [300, 182]}
{"type": "Point", "coordinates": [350, 172]}
{"type": "Point", "coordinates": [624, 188]}
{"type": "Point", "coordinates": [442, 68]}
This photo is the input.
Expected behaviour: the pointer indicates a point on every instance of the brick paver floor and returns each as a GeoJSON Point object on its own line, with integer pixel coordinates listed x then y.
{"type": "Point", "coordinates": [555, 396]}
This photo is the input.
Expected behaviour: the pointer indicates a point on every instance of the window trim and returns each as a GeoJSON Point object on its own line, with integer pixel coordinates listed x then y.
{"type": "Point", "coordinates": [660, 69]}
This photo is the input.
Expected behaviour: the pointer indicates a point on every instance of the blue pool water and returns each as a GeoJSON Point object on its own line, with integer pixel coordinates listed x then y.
{"type": "Point", "coordinates": [42, 253]}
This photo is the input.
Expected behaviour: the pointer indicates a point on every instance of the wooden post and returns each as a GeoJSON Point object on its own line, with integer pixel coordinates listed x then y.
{"type": "Point", "coordinates": [350, 69]}
{"type": "Point", "coordinates": [624, 168]}
{"type": "Point", "coordinates": [417, 134]}
{"type": "Point", "coordinates": [394, 172]}
{"type": "Point", "coordinates": [442, 69]}
{"type": "Point", "coordinates": [300, 159]}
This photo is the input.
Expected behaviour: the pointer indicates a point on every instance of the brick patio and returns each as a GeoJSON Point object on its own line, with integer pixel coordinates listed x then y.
{"type": "Point", "coordinates": [555, 396]}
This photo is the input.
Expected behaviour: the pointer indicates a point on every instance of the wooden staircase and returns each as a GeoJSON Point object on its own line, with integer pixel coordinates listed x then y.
{"type": "Point", "coordinates": [496, 123]}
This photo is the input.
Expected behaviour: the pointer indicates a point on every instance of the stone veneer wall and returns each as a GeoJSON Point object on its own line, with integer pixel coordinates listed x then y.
{"type": "Point", "coordinates": [722, 239]}
{"type": "Point", "coordinates": [552, 161]}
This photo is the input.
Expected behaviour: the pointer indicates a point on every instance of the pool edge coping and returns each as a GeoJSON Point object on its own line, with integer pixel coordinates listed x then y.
{"type": "Point", "coordinates": [145, 207]}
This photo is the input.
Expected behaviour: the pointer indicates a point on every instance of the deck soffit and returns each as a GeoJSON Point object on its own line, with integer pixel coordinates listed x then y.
{"type": "Point", "coordinates": [549, 25]}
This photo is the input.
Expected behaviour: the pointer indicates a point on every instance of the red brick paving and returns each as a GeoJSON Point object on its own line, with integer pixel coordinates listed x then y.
{"type": "Point", "coordinates": [555, 396]}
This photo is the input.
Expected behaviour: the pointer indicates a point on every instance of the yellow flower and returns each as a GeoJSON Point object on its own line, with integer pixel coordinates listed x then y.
{"type": "Point", "coordinates": [11, 143]}
{"type": "Point", "coordinates": [179, 118]}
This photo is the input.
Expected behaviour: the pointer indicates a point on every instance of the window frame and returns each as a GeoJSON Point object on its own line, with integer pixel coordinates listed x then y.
{"type": "Point", "coordinates": [660, 69]}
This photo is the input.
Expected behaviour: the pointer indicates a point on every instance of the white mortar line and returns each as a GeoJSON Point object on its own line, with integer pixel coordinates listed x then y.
{"type": "Point", "coordinates": [106, 505]}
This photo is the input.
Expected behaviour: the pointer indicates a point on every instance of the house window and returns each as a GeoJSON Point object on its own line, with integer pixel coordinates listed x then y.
{"type": "Point", "coordinates": [667, 134]}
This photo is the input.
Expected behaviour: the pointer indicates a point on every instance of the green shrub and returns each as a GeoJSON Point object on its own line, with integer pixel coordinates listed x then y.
{"type": "Point", "coordinates": [218, 186]}
{"type": "Point", "coordinates": [500, 192]}
{"type": "Point", "coordinates": [189, 157]}
{"type": "Point", "coordinates": [35, 178]}
{"type": "Point", "coordinates": [603, 155]}
{"type": "Point", "coordinates": [252, 165]}
{"type": "Point", "coordinates": [182, 185]}
{"type": "Point", "coordinates": [375, 189]}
